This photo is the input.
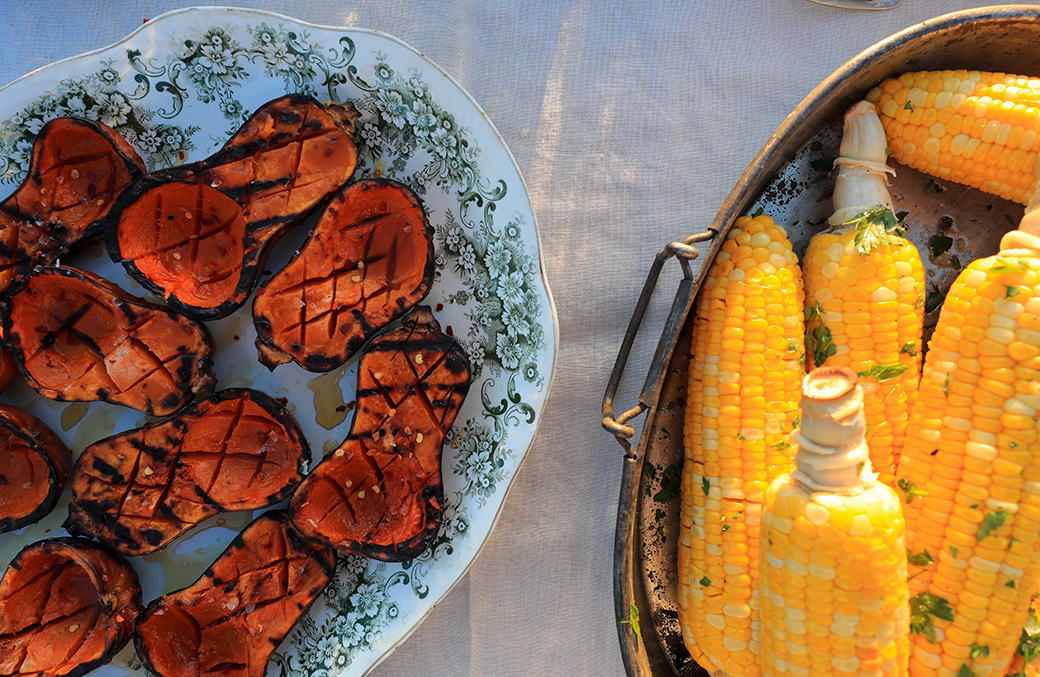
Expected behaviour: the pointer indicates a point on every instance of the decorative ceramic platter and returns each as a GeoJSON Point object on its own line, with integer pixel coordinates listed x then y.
{"type": "Point", "coordinates": [177, 88]}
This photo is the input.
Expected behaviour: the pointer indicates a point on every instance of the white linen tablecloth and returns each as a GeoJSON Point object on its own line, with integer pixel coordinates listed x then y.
{"type": "Point", "coordinates": [630, 122]}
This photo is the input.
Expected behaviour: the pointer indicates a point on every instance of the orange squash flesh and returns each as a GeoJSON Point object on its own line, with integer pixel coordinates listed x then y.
{"type": "Point", "coordinates": [34, 465]}
{"type": "Point", "coordinates": [195, 249]}
{"type": "Point", "coordinates": [369, 260]}
{"type": "Point", "coordinates": [380, 494]}
{"type": "Point", "coordinates": [278, 167]}
{"type": "Point", "coordinates": [76, 170]}
{"type": "Point", "coordinates": [137, 491]}
{"type": "Point", "coordinates": [230, 621]}
{"type": "Point", "coordinates": [77, 337]}
{"type": "Point", "coordinates": [67, 606]}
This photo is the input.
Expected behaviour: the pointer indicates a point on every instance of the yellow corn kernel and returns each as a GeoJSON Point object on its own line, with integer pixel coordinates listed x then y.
{"type": "Point", "coordinates": [977, 552]}
{"type": "Point", "coordinates": [855, 618]}
{"type": "Point", "coordinates": [741, 402]}
{"type": "Point", "coordinates": [882, 330]}
{"type": "Point", "coordinates": [1004, 110]}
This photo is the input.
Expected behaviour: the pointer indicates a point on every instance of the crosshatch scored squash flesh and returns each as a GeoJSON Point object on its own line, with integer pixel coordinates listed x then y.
{"type": "Point", "coordinates": [77, 337]}
{"type": "Point", "coordinates": [368, 261]}
{"type": "Point", "coordinates": [67, 606]}
{"type": "Point", "coordinates": [76, 169]}
{"type": "Point", "coordinates": [138, 490]}
{"type": "Point", "coordinates": [742, 400]}
{"type": "Point", "coordinates": [230, 621]}
{"type": "Point", "coordinates": [380, 494]}
{"type": "Point", "coordinates": [198, 234]}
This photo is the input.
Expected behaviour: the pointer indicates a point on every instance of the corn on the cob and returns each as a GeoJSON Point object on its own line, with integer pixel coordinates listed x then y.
{"type": "Point", "coordinates": [979, 129]}
{"type": "Point", "coordinates": [832, 568]}
{"type": "Point", "coordinates": [970, 470]}
{"type": "Point", "coordinates": [745, 373]}
{"type": "Point", "coordinates": [864, 287]}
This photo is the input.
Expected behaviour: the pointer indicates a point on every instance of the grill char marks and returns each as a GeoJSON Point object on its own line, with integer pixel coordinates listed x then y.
{"type": "Point", "coordinates": [77, 337]}
{"type": "Point", "coordinates": [277, 168]}
{"type": "Point", "coordinates": [67, 606]}
{"type": "Point", "coordinates": [369, 260]}
{"type": "Point", "coordinates": [380, 494]}
{"type": "Point", "coordinates": [139, 490]}
{"type": "Point", "coordinates": [235, 615]}
{"type": "Point", "coordinates": [77, 168]}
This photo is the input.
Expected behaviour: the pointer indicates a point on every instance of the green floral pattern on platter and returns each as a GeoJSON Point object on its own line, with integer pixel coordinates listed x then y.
{"type": "Point", "coordinates": [176, 90]}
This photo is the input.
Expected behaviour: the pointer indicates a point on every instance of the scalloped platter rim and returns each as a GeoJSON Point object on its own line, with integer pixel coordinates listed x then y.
{"type": "Point", "coordinates": [177, 88]}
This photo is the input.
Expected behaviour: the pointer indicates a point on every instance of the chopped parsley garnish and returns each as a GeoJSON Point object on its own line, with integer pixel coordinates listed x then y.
{"type": "Point", "coordinates": [884, 372]}
{"type": "Point", "coordinates": [934, 299]}
{"type": "Point", "coordinates": [991, 523]}
{"type": "Point", "coordinates": [919, 559]}
{"type": "Point", "coordinates": [823, 164]}
{"type": "Point", "coordinates": [1028, 642]}
{"type": "Point", "coordinates": [909, 348]}
{"type": "Point", "coordinates": [977, 650]}
{"type": "Point", "coordinates": [875, 228]}
{"type": "Point", "coordinates": [1002, 265]}
{"type": "Point", "coordinates": [633, 618]}
{"type": "Point", "coordinates": [923, 607]}
{"type": "Point", "coordinates": [910, 489]}
{"type": "Point", "coordinates": [818, 337]}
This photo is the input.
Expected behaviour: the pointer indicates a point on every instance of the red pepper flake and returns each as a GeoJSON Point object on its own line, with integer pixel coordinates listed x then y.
{"type": "Point", "coordinates": [351, 404]}
{"type": "Point", "coordinates": [283, 400]}
{"type": "Point", "coordinates": [451, 332]}
{"type": "Point", "coordinates": [341, 408]}
{"type": "Point", "coordinates": [144, 21]}
{"type": "Point", "coordinates": [440, 307]}
{"type": "Point", "coordinates": [235, 337]}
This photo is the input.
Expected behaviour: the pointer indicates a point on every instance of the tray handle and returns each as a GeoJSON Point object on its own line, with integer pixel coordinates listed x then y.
{"type": "Point", "coordinates": [685, 252]}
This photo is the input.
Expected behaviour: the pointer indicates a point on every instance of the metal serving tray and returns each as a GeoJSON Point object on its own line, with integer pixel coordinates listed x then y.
{"type": "Point", "coordinates": [790, 180]}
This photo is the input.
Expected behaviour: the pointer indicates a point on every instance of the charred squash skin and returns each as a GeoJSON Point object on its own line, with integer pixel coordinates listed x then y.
{"type": "Point", "coordinates": [34, 465]}
{"type": "Point", "coordinates": [230, 621]}
{"type": "Point", "coordinates": [67, 606]}
{"type": "Point", "coordinates": [380, 493]}
{"type": "Point", "coordinates": [369, 260]}
{"type": "Point", "coordinates": [78, 337]}
{"type": "Point", "coordinates": [76, 169]}
{"type": "Point", "coordinates": [198, 234]}
{"type": "Point", "coordinates": [137, 491]}
{"type": "Point", "coordinates": [8, 368]}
